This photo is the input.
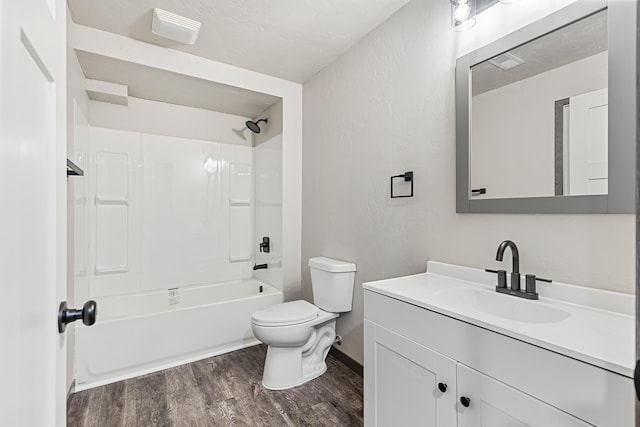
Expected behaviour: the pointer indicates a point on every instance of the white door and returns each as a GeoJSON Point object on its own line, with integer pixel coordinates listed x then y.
{"type": "Point", "coordinates": [494, 404]}
{"type": "Point", "coordinates": [32, 211]}
{"type": "Point", "coordinates": [588, 146]}
{"type": "Point", "coordinates": [404, 382]}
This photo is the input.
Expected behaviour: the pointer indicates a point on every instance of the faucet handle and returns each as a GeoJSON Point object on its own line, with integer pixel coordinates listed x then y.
{"type": "Point", "coordinates": [502, 277]}
{"type": "Point", "coordinates": [530, 283]}
{"type": "Point", "coordinates": [264, 246]}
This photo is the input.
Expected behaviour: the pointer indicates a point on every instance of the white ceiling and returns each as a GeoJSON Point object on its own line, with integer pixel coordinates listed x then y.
{"type": "Point", "coordinates": [290, 39]}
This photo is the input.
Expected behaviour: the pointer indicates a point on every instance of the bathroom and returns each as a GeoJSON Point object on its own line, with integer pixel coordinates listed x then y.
{"type": "Point", "coordinates": [384, 105]}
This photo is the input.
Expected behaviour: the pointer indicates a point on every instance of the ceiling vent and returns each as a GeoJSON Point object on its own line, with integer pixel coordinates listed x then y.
{"type": "Point", "coordinates": [174, 27]}
{"type": "Point", "coordinates": [506, 61]}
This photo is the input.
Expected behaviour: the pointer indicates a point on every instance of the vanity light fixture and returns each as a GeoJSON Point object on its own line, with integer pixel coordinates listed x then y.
{"type": "Point", "coordinates": [463, 14]}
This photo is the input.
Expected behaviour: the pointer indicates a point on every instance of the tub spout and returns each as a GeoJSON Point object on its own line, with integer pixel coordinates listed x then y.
{"type": "Point", "coordinates": [259, 266]}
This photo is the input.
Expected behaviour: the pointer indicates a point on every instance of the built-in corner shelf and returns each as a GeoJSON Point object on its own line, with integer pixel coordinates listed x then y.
{"type": "Point", "coordinates": [73, 169]}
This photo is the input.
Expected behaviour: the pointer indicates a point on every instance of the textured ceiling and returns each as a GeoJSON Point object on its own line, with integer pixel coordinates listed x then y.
{"type": "Point", "coordinates": [290, 39]}
{"type": "Point", "coordinates": [164, 86]}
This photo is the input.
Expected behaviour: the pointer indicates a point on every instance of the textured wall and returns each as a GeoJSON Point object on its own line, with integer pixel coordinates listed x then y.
{"type": "Point", "coordinates": [387, 106]}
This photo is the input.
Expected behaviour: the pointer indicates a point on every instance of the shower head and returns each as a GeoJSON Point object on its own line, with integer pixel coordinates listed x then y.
{"type": "Point", "coordinates": [253, 126]}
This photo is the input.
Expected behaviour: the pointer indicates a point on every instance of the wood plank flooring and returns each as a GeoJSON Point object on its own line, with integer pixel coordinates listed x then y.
{"type": "Point", "coordinates": [224, 390]}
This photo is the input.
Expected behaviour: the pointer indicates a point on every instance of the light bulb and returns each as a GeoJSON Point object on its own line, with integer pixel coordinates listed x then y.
{"type": "Point", "coordinates": [462, 12]}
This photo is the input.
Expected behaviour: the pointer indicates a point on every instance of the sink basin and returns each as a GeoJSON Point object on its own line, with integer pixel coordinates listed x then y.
{"type": "Point", "coordinates": [504, 306]}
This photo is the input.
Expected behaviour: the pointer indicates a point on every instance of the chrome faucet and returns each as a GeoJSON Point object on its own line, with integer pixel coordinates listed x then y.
{"type": "Point", "coordinates": [515, 273]}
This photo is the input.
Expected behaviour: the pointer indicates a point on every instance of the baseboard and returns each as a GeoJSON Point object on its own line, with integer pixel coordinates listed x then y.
{"type": "Point", "coordinates": [351, 364]}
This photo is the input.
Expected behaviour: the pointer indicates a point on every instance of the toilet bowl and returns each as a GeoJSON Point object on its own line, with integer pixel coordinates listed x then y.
{"type": "Point", "coordinates": [299, 334]}
{"type": "Point", "coordinates": [297, 347]}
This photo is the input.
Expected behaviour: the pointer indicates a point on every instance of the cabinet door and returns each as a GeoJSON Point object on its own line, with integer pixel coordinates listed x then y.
{"type": "Point", "coordinates": [402, 379]}
{"type": "Point", "coordinates": [495, 404]}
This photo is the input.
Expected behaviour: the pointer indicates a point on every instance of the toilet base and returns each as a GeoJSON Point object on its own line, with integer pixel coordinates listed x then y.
{"type": "Point", "coordinates": [287, 367]}
{"type": "Point", "coordinates": [281, 384]}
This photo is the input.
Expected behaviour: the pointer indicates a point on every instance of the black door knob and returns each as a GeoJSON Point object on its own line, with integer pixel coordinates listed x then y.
{"type": "Point", "coordinates": [465, 401]}
{"type": "Point", "coordinates": [68, 315]}
{"type": "Point", "coordinates": [442, 387]}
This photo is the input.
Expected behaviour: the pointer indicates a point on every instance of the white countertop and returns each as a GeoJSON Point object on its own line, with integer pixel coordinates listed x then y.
{"type": "Point", "coordinates": [597, 327]}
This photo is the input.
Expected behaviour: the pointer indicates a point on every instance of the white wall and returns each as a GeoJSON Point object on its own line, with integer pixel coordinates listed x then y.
{"type": "Point", "coordinates": [512, 137]}
{"type": "Point", "coordinates": [387, 106]}
{"type": "Point", "coordinates": [77, 139]}
{"type": "Point", "coordinates": [160, 118]}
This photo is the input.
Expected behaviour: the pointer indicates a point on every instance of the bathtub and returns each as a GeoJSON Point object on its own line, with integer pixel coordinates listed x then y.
{"type": "Point", "coordinates": [142, 333]}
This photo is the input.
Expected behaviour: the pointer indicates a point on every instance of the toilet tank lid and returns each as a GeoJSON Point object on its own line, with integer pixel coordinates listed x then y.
{"type": "Point", "coordinates": [331, 265]}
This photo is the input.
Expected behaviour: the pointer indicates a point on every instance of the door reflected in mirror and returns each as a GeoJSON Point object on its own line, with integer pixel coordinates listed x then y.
{"type": "Point", "coordinates": [539, 116]}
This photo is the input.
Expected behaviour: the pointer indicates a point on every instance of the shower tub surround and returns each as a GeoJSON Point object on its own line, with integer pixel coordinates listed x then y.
{"type": "Point", "coordinates": [165, 245]}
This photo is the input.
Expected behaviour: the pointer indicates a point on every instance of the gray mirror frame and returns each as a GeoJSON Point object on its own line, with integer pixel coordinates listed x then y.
{"type": "Point", "coordinates": [622, 27]}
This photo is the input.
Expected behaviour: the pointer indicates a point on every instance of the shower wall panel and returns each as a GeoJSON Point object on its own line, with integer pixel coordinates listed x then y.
{"type": "Point", "coordinates": [166, 212]}
{"type": "Point", "coordinates": [268, 166]}
{"type": "Point", "coordinates": [180, 210]}
{"type": "Point", "coordinates": [113, 217]}
{"type": "Point", "coordinates": [240, 198]}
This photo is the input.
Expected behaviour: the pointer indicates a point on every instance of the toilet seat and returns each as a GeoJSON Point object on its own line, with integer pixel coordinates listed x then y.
{"type": "Point", "coordinates": [286, 314]}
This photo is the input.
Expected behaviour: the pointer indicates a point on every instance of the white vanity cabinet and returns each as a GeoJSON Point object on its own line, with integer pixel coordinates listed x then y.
{"type": "Point", "coordinates": [494, 404]}
{"type": "Point", "coordinates": [405, 381]}
{"type": "Point", "coordinates": [413, 345]}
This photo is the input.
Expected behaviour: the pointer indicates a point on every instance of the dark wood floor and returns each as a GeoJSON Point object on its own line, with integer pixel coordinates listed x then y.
{"type": "Point", "coordinates": [222, 391]}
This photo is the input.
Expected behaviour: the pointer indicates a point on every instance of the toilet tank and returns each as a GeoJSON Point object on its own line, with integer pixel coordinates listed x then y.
{"type": "Point", "coordinates": [332, 283]}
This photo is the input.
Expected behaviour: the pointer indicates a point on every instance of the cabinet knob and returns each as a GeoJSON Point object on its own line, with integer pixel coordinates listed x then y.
{"type": "Point", "coordinates": [465, 401]}
{"type": "Point", "coordinates": [442, 387]}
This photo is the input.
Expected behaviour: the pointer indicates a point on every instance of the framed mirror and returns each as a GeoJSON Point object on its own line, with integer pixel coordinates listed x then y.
{"type": "Point", "coordinates": [546, 116]}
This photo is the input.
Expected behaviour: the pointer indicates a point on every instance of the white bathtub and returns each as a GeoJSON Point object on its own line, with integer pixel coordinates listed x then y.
{"type": "Point", "coordinates": [142, 333]}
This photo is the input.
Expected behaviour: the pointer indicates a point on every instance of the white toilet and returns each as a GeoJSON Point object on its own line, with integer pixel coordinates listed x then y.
{"type": "Point", "coordinates": [299, 334]}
